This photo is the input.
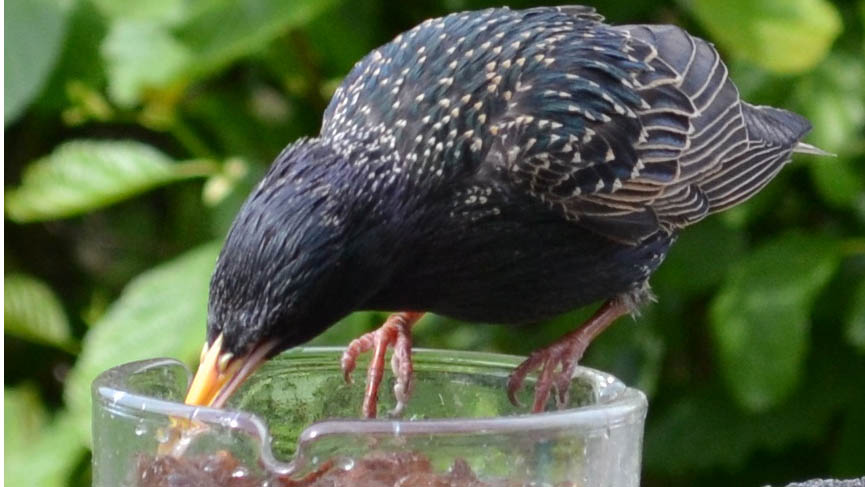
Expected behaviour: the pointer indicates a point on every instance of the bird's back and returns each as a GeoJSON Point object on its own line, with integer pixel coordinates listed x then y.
{"type": "Point", "coordinates": [575, 149]}
{"type": "Point", "coordinates": [625, 130]}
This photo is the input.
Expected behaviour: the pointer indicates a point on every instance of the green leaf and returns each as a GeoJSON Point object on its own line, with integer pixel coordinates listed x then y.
{"type": "Point", "coordinates": [141, 55]}
{"type": "Point", "coordinates": [23, 417]}
{"type": "Point", "coordinates": [855, 319]}
{"type": "Point", "coordinates": [36, 452]}
{"type": "Point", "coordinates": [346, 33]}
{"type": "Point", "coordinates": [686, 270]}
{"type": "Point", "coordinates": [31, 311]}
{"type": "Point", "coordinates": [83, 175]}
{"type": "Point", "coordinates": [760, 318]}
{"type": "Point", "coordinates": [34, 31]}
{"type": "Point", "coordinates": [163, 11]}
{"type": "Point", "coordinates": [832, 98]}
{"type": "Point", "coordinates": [49, 459]}
{"type": "Point", "coordinates": [235, 127]}
{"type": "Point", "coordinates": [715, 434]}
{"type": "Point", "coordinates": [838, 181]}
{"type": "Point", "coordinates": [785, 36]}
{"type": "Point", "coordinates": [79, 63]}
{"type": "Point", "coordinates": [152, 50]}
{"type": "Point", "coordinates": [162, 312]}
{"type": "Point", "coordinates": [227, 30]}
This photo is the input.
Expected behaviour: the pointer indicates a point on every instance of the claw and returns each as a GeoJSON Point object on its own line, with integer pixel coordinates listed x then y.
{"type": "Point", "coordinates": [403, 369]}
{"type": "Point", "coordinates": [349, 358]}
{"type": "Point", "coordinates": [515, 381]}
{"type": "Point", "coordinates": [548, 361]}
{"type": "Point", "coordinates": [514, 384]}
{"type": "Point", "coordinates": [545, 382]}
{"type": "Point", "coordinates": [565, 353]}
{"type": "Point", "coordinates": [348, 363]}
{"type": "Point", "coordinates": [395, 332]}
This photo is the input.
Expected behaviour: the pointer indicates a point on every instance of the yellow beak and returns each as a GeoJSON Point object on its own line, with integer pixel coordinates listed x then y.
{"type": "Point", "coordinates": [220, 373]}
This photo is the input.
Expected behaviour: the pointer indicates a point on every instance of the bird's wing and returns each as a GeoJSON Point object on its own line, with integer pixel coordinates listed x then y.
{"type": "Point", "coordinates": [637, 128]}
{"type": "Point", "coordinates": [734, 148]}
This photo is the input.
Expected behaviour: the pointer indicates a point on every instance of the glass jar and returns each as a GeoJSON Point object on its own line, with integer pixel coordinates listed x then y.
{"type": "Point", "coordinates": [294, 422]}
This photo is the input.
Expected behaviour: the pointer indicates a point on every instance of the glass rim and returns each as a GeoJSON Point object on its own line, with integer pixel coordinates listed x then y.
{"type": "Point", "coordinates": [108, 389]}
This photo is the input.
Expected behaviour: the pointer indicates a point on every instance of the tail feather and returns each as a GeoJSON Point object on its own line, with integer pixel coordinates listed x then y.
{"type": "Point", "coordinates": [774, 125]}
{"type": "Point", "coordinates": [773, 135]}
{"type": "Point", "coordinates": [803, 148]}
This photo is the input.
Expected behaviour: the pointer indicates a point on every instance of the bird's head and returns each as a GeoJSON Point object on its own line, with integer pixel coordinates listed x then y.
{"type": "Point", "coordinates": [286, 271]}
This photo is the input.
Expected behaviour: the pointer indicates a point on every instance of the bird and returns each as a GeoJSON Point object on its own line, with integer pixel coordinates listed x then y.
{"type": "Point", "coordinates": [499, 166]}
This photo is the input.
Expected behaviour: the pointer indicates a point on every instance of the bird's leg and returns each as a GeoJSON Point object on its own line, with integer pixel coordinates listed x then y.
{"type": "Point", "coordinates": [565, 352]}
{"type": "Point", "coordinates": [395, 332]}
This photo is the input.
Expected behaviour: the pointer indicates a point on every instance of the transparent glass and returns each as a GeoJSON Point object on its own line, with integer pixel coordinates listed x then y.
{"type": "Point", "coordinates": [296, 419]}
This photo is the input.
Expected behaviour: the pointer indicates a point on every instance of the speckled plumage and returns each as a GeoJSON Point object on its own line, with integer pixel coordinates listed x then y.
{"type": "Point", "coordinates": [500, 166]}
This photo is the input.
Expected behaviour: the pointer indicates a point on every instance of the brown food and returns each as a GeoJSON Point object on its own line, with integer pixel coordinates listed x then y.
{"type": "Point", "coordinates": [379, 469]}
{"type": "Point", "coordinates": [217, 470]}
{"type": "Point", "coordinates": [398, 469]}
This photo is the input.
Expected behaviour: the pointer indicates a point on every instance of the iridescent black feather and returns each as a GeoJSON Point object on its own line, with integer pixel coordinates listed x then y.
{"type": "Point", "coordinates": [497, 165]}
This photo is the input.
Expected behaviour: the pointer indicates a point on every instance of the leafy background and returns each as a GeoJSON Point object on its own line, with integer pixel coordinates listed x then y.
{"type": "Point", "coordinates": [135, 129]}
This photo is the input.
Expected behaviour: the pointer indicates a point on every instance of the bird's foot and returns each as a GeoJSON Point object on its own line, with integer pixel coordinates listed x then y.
{"type": "Point", "coordinates": [565, 353]}
{"type": "Point", "coordinates": [395, 332]}
{"type": "Point", "coordinates": [562, 355]}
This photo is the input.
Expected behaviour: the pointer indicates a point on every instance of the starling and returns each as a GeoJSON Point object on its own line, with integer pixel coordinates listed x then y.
{"type": "Point", "coordinates": [496, 166]}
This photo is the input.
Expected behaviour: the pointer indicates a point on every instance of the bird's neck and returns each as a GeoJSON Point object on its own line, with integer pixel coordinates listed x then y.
{"type": "Point", "coordinates": [355, 212]}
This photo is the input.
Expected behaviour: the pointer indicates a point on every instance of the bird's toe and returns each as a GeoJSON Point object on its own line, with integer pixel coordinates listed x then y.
{"type": "Point", "coordinates": [357, 346]}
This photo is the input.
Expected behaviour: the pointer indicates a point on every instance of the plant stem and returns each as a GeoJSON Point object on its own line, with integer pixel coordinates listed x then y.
{"type": "Point", "coordinates": [190, 140]}
{"type": "Point", "coordinates": [198, 167]}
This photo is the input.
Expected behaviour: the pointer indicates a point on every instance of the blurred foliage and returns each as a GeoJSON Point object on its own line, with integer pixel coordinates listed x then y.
{"type": "Point", "coordinates": [82, 175]}
{"type": "Point", "coordinates": [135, 129]}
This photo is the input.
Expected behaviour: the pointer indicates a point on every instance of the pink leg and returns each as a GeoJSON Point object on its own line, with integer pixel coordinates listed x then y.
{"type": "Point", "coordinates": [395, 332]}
{"type": "Point", "coordinates": [565, 352]}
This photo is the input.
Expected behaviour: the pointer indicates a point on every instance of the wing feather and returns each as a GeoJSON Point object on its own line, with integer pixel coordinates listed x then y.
{"type": "Point", "coordinates": [641, 130]}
